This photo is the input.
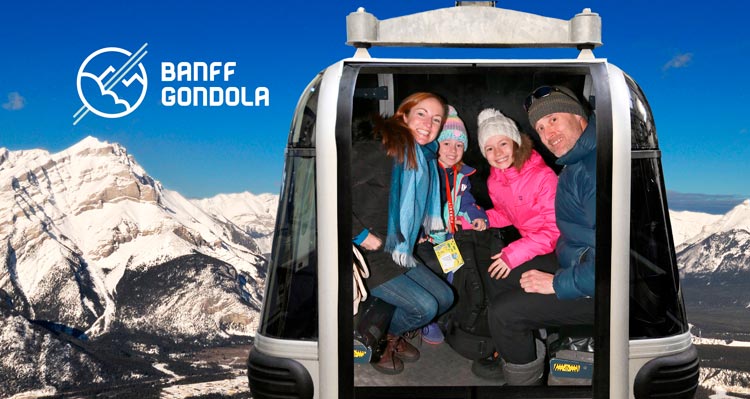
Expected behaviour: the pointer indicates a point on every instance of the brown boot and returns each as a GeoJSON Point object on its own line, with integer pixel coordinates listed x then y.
{"type": "Point", "coordinates": [388, 362]}
{"type": "Point", "coordinates": [403, 349]}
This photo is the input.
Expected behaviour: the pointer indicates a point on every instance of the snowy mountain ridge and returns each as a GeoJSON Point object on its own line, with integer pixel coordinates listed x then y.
{"type": "Point", "coordinates": [254, 214]}
{"type": "Point", "coordinates": [721, 244]}
{"type": "Point", "coordinates": [75, 221]}
{"type": "Point", "coordinates": [103, 270]}
{"type": "Point", "coordinates": [688, 224]}
{"type": "Point", "coordinates": [713, 254]}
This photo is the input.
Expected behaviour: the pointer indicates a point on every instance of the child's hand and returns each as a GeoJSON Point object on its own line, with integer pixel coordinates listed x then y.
{"type": "Point", "coordinates": [498, 269]}
{"type": "Point", "coordinates": [479, 224]}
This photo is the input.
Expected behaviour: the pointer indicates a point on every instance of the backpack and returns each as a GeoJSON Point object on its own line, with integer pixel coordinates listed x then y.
{"type": "Point", "coordinates": [466, 327]}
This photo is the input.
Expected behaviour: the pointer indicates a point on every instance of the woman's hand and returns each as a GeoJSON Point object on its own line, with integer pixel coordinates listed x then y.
{"type": "Point", "coordinates": [535, 281]}
{"type": "Point", "coordinates": [498, 269]}
{"type": "Point", "coordinates": [371, 242]}
{"type": "Point", "coordinates": [479, 224]}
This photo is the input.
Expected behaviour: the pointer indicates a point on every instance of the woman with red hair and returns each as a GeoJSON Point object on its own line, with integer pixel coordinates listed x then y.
{"type": "Point", "coordinates": [395, 204]}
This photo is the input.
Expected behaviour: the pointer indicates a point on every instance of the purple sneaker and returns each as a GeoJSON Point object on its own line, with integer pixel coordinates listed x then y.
{"type": "Point", "coordinates": [432, 335]}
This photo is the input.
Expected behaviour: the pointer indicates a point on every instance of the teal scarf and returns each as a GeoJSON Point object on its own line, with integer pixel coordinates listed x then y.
{"type": "Point", "coordinates": [414, 203]}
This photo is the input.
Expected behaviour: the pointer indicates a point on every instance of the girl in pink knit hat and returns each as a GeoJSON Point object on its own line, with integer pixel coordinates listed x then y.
{"type": "Point", "coordinates": [461, 214]}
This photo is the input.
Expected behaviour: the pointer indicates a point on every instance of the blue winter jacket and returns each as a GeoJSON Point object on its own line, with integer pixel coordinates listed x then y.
{"type": "Point", "coordinates": [466, 206]}
{"type": "Point", "coordinates": [575, 210]}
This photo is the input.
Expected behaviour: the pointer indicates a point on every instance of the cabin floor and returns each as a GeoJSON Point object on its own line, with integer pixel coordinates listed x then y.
{"type": "Point", "coordinates": [438, 365]}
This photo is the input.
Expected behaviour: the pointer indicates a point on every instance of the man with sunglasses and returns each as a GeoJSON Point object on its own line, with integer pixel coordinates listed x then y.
{"type": "Point", "coordinates": [561, 122]}
{"type": "Point", "coordinates": [566, 297]}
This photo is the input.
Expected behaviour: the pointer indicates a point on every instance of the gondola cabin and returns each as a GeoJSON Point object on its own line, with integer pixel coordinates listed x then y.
{"type": "Point", "coordinates": [303, 348]}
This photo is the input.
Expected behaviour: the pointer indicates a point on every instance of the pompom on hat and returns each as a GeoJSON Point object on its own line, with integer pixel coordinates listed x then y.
{"type": "Point", "coordinates": [492, 122]}
{"type": "Point", "coordinates": [547, 100]}
{"type": "Point", "coordinates": [454, 129]}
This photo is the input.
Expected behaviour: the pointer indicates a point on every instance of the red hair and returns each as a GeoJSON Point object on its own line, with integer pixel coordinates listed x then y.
{"type": "Point", "coordinates": [396, 136]}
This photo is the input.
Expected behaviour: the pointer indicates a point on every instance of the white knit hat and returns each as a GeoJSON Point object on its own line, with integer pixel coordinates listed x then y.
{"type": "Point", "coordinates": [492, 122]}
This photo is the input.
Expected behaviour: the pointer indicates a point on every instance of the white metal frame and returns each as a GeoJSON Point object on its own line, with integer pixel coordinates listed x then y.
{"type": "Point", "coordinates": [490, 27]}
{"type": "Point", "coordinates": [619, 312]}
{"type": "Point", "coordinates": [327, 208]}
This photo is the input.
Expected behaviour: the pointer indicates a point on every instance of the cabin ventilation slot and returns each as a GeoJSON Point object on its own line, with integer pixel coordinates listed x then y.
{"type": "Point", "coordinates": [273, 378]}
{"type": "Point", "coordinates": [673, 376]}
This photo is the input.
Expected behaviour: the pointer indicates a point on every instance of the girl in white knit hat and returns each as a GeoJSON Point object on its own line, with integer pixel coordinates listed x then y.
{"type": "Point", "coordinates": [522, 189]}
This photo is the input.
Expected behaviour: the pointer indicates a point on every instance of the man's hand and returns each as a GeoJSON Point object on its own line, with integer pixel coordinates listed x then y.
{"type": "Point", "coordinates": [371, 242]}
{"type": "Point", "coordinates": [535, 281]}
{"type": "Point", "coordinates": [498, 269]}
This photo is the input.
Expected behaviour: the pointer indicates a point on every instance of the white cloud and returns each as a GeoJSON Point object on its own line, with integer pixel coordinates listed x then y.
{"type": "Point", "coordinates": [15, 101]}
{"type": "Point", "coordinates": [678, 61]}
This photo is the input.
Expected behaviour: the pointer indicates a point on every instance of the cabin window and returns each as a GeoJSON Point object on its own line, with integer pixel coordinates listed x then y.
{"type": "Point", "coordinates": [656, 307]}
{"type": "Point", "coordinates": [290, 301]}
{"type": "Point", "coordinates": [643, 135]}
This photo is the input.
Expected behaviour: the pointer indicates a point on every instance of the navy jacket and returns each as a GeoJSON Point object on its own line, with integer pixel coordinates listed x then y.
{"type": "Point", "coordinates": [575, 210]}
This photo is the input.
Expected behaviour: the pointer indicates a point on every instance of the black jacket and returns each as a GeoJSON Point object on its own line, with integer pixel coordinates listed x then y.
{"type": "Point", "coordinates": [371, 182]}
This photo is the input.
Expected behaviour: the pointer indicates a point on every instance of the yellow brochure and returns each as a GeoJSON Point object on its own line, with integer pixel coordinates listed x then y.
{"type": "Point", "coordinates": [449, 256]}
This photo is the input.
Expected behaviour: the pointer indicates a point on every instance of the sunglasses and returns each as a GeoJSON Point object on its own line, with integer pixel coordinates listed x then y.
{"type": "Point", "coordinates": [542, 92]}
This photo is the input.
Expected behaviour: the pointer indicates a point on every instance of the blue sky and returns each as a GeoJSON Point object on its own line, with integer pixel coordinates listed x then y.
{"type": "Point", "coordinates": [690, 60]}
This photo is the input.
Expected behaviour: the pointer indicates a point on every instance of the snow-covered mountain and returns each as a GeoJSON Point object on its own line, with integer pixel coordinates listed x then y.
{"type": "Point", "coordinates": [90, 241]}
{"type": "Point", "coordinates": [254, 214]}
{"type": "Point", "coordinates": [38, 362]}
{"type": "Point", "coordinates": [688, 224]}
{"type": "Point", "coordinates": [713, 254]}
{"type": "Point", "coordinates": [721, 245]}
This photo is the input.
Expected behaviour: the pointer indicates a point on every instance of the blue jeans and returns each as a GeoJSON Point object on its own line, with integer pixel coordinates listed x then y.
{"type": "Point", "coordinates": [418, 295]}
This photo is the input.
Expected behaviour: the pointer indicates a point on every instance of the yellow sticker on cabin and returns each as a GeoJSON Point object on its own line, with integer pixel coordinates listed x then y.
{"type": "Point", "coordinates": [567, 367]}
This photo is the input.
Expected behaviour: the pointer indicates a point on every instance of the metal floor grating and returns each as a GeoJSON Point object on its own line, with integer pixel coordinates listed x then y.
{"type": "Point", "coordinates": [438, 365]}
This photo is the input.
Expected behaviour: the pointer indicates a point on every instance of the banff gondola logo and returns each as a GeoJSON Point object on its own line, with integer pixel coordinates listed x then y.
{"type": "Point", "coordinates": [112, 82]}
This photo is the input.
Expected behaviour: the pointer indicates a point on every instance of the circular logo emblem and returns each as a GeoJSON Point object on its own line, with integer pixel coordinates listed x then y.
{"type": "Point", "coordinates": [111, 82]}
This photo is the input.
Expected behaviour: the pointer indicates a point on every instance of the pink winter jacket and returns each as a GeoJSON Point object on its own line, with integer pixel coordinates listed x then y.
{"type": "Point", "coordinates": [526, 200]}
